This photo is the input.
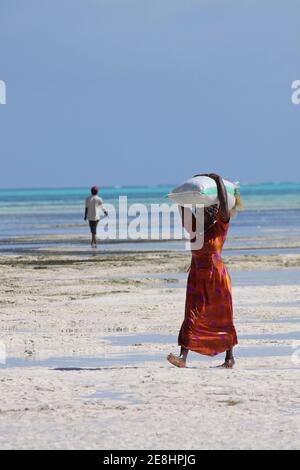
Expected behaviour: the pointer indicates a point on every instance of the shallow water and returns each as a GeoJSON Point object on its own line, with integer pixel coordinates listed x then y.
{"type": "Point", "coordinates": [269, 209]}
{"type": "Point", "coordinates": [78, 363]}
{"type": "Point", "coordinates": [292, 335]}
{"type": "Point", "coordinates": [153, 338]}
{"type": "Point", "coordinates": [276, 277]}
{"type": "Point", "coordinates": [124, 248]}
{"type": "Point", "coordinates": [283, 320]}
{"type": "Point", "coordinates": [137, 339]}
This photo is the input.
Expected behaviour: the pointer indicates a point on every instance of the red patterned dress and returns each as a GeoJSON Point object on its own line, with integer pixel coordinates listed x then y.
{"type": "Point", "coordinates": [208, 324]}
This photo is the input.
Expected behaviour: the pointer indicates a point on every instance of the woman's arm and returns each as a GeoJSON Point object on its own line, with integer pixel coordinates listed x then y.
{"type": "Point", "coordinates": [222, 196]}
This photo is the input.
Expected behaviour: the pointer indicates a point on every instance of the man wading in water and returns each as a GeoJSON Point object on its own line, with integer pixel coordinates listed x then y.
{"type": "Point", "coordinates": [93, 206]}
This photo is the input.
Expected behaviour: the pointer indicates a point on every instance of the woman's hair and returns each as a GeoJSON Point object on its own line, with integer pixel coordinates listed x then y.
{"type": "Point", "coordinates": [212, 212]}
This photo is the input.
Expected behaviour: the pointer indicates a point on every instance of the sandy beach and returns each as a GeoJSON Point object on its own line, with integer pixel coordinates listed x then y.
{"type": "Point", "coordinates": [86, 340]}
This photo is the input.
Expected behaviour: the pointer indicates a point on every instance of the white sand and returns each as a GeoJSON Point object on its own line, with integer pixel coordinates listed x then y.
{"type": "Point", "coordinates": [66, 306]}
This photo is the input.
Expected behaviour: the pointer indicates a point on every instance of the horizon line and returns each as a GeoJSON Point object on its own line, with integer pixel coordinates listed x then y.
{"type": "Point", "coordinates": [117, 186]}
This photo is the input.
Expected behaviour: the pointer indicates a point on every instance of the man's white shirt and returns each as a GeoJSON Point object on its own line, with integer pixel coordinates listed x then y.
{"type": "Point", "coordinates": [94, 205]}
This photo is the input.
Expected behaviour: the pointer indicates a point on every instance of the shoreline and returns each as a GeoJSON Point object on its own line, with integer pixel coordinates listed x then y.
{"type": "Point", "coordinates": [150, 260]}
{"type": "Point", "coordinates": [79, 246]}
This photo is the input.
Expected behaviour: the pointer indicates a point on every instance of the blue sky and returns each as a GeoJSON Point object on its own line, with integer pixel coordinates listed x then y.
{"type": "Point", "coordinates": [148, 91]}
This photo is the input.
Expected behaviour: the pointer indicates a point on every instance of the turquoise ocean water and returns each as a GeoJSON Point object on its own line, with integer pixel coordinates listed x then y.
{"type": "Point", "coordinates": [271, 209]}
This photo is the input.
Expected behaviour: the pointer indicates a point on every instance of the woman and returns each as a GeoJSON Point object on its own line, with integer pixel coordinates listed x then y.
{"type": "Point", "coordinates": [208, 324]}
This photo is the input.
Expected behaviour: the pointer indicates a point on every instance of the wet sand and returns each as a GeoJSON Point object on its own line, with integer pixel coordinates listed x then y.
{"type": "Point", "coordinates": [86, 340]}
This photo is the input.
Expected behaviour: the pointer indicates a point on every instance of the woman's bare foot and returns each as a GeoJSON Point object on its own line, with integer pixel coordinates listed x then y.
{"type": "Point", "coordinates": [176, 361]}
{"type": "Point", "coordinates": [228, 364]}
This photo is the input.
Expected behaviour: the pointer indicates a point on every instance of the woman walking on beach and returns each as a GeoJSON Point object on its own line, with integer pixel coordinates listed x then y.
{"type": "Point", "coordinates": [208, 324]}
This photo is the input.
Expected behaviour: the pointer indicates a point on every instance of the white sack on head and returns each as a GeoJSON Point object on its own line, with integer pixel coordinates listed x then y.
{"type": "Point", "coordinates": [202, 190]}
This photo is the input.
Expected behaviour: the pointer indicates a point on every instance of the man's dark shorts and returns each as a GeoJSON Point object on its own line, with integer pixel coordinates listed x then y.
{"type": "Point", "coordinates": [93, 226]}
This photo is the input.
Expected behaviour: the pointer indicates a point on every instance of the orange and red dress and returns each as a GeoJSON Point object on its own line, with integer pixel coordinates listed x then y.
{"type": "Point", "coordinates": [208, 326]}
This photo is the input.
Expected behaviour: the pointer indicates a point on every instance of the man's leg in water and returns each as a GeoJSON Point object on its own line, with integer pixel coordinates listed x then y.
{"type": "Point", "coordinates": [94, 240]}
{"type": "Point", "coordinates": [93, 227]}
